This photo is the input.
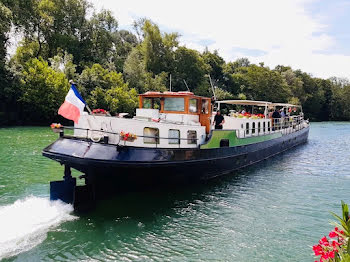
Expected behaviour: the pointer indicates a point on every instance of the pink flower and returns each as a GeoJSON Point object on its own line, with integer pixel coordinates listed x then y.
{"type": "Point", "coordinates": [324, 241]}
{"type": "Point", "coordinates": [333, 234]}
{"type": "Point", "coordinates": [335, 245]}
{"type": "Point", "coordinates": [317, 250]}
{"type": "Point", "coordinates": [325, 256]}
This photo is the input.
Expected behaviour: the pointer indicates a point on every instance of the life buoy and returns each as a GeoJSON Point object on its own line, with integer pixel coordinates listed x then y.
{"type": "Point", "coordinates": [96, 136]}
{"type": "Point", "coordinates": [96, 139]}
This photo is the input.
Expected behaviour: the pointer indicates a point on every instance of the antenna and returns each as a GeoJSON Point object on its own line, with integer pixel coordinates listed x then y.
{"type": "Point", "coordinates": [170, 83]}
{"type": "Point", "coordinates": [212, 87]}
{"type": "Point", "coordinates": [187, 86]}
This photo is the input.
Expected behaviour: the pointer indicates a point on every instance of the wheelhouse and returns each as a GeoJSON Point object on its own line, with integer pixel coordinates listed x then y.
{"type": "Point", "coordinates": [184, 107]}
{"type": "Point", "coordinates": [163, 120]}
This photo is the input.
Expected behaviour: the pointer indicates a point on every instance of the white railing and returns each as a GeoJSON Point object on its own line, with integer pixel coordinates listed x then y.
{"type": "Point", "coordinates": [285, 125]}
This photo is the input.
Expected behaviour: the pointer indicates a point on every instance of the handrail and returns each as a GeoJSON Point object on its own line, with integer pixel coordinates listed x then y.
{"type": "Point", "coordinates": [285, 125]}
{"type": "Point", "coordinates": [116, 133]}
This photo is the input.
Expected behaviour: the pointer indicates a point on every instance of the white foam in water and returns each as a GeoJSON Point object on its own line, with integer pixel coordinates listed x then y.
{"type": "Point", "coordinates": [25, 223]}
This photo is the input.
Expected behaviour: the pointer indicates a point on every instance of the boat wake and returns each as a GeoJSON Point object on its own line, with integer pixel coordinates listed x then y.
{"type": "Point", "coordinates": [25, 223]}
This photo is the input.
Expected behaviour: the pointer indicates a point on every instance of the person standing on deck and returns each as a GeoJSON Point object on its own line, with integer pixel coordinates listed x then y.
{"type": "Point", "coordinates": [276, 120]}
{"type": "Point", "coordinates": [218, 120]}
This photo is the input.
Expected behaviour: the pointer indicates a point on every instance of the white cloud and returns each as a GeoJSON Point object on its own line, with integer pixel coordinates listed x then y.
{"type": "Point", "coordinates": [282, 29]}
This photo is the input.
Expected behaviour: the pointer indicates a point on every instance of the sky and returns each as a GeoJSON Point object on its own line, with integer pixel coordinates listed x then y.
{"type": "Point", "coordinates": [311, 35]}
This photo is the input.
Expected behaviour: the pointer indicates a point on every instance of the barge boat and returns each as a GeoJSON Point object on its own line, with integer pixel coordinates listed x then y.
{"type": "Point", "coordinates": [171, 139]}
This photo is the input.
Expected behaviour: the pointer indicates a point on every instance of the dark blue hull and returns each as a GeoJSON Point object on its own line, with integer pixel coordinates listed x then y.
{"type": "Point", "coordinates": [117, 166]}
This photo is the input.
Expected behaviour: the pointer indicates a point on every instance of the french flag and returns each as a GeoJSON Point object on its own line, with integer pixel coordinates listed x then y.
{"type": "Point", "coordinates": [73, 105]}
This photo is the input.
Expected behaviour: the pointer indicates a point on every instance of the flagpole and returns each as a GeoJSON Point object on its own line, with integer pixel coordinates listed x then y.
{"type": "Point", "coordinates": [88, 109]}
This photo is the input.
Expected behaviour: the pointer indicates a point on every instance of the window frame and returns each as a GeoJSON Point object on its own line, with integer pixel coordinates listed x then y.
{"type": "Point", "coordinates": [164, 103]}
{"type": "Point", "coordinates": [189, 105]}
{"type": "Point", "coordinates": [156, 138]}
{"type": "Point", "coordinates": [173, 138]}
{"type": "Point", "coordinates": [206, 103]}
{"type": "Point", "coordinates": [192, 141]}
{"type": "Point", "coordinates": [153, 101]}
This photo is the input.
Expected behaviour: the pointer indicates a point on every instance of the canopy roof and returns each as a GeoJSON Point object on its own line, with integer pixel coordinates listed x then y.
{"type": "Point", "coordinates": [285, 105]}
{"type": "Point", "coordinates": [245, 102]}
{"type": "Point", "coordinates": [255, 103]}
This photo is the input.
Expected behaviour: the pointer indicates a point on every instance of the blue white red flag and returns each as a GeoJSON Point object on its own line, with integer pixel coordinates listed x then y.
{"type": "Point", "coordinates": [73, 105]}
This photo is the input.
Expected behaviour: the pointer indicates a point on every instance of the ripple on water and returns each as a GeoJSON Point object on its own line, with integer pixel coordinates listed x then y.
{"type": "Point", "coordinates": [274, 211]}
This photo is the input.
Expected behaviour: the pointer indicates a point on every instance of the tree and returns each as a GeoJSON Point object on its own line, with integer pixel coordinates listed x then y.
{"type": "Point", "coordinates": [137, 76]}
{"type": "Point", "coordinates": [222, 94]}
{"type": "Point", "coordinates": [43, 90]}
{"type": "Point", "coordinates": [215, 64]}
{"type": "Point", "coordinates": [124, 41]}
{"type": "Point", "coordinates": [52, 24]}
{"type": "Point", "coordinates": [232, 67]}
{"type": "Point", "coordinates": [7, 95]}
{"type": "Point", "coordinates": [111, 66]}
{"type": "Point", "coordinates": [102, 29]}
{"type": "Point", "coordinates": [313, 98]}
{"type": "Point", "coordinates": [5, 25]}
{"type": "Point", "coordinates": [122, 100]}
{"type": "Point", "coordinates": [261, 83]}
{"type": "Point", "coordinates": [63, 62]}
{"type": "Point", "coordinates": [97, 76]}
{"type": "Point", "coordinates": [295, 84]}
{"type": "Point", "coordinates": [117, 99]}
{"type": "Point", "coordinates": [340, 103]}
{"type": "Point", "coordinates": [188, 66]}
{"type": "Point", "coordinates": [157, 49]}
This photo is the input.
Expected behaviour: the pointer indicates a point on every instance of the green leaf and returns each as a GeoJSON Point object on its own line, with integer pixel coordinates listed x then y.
{"type": "Point", "coordinates": [336, 257]}
{"type": "Point", "coordinates": [345, 210]}
{"type": "Point", "coordinates": [343, 223]}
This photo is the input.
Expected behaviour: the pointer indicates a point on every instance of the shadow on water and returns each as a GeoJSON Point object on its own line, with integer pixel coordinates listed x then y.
{"type": "Point", "coordinates": [148, 204]}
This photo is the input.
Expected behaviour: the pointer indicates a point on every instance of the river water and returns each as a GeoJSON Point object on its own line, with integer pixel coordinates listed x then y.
{"type": "Point", "coordinates": [273, 211]}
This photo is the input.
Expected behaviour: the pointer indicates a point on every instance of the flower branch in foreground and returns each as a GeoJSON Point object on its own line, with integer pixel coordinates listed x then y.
{"type": "Point", "coordinates": [337, 247]}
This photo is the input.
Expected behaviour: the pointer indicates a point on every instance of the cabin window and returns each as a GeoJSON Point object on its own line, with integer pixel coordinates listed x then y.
{"type": "Point", "coordinates": [259, 127]}
{"type": "Point", "coordinates": [264, 127]}
{"type": "Point", "coordinates": [224, 143]}
{"type": "Point", "coordinates": [174, 104]}
{"type": "Point", "coordinates": [174, 136]}
{"type": "Point", "coordinates": [191, 137]}
{"type": "Point", "coordinates": [151, 103]}
{"type": "Point", "coordinates": [253, 128]}
{"type": "Point", "coordinates": [268, 126]}
{"type": "Point", "coordinates": [205, 106]}
{"type": "Point", "coordinates": [193, 107]}
{"type": "Point", "coordinates": [151, 135]}
{"type": "Point", "coordinates": [247, 128]}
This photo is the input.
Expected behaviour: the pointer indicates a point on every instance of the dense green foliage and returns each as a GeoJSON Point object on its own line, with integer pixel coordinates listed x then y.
{"type": "Point", "coordinates": [111, 66]}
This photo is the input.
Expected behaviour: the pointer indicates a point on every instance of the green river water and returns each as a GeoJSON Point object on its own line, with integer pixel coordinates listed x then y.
{"type": "Point", "coordinates": [273, 211]}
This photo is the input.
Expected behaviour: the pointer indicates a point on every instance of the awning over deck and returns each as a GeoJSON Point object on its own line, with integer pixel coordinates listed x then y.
{"type": "Point", "coordinates": [255, 103]}
{"type": "Point", "coordinates": [245, 102]}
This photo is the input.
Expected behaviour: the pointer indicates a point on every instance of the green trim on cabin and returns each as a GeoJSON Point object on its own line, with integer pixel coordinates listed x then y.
{"type": "Point", "coordinates": [217, 135]}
